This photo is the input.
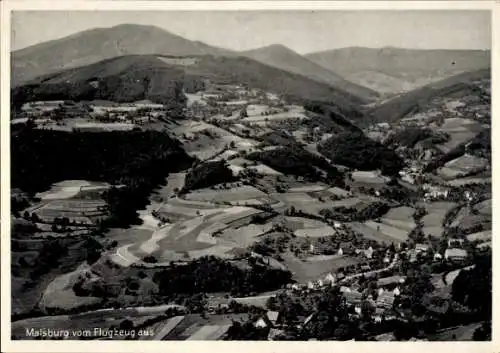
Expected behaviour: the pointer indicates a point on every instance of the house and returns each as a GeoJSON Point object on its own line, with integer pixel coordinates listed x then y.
{"type": "Point", "coordinates": [454, 242]}
{"type": "Point", "coordinates": [385, 300]}
{"type": "Point", "coordinates": [368, 252]}
{"type": "Point", "coordinates": [261, 323]}
{"type": "Point", "coordinates": [353, 297]}
{"type": "Point", "coordinates": [455, 254]}
{"type": "Point", "coordinates": [344, 289]}
{"type": "Point", "coordinates": [421, 248]}
{"type": "Point", "coordinates": [330, 279]}
{"type": "Point", "coordinates": [346, 248]}
{"type": "Point", "coordinates": [378, 315]}
{"type": "Point", "coordinates": [273, 317]}
{"type": "Point", "coordinates": [275, 333]}
{"type": "Point", "coordinates": [412, 255]}
{"type": "Point", "coordinates": [365, 268]}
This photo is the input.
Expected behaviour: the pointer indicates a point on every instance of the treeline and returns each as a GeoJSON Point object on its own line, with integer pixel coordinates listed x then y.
{"type": "Point", "coordinates": [352, 214]}
{"type": "Point", "coordinates": [410, 136]}
{"type": "Point", "coordinates": [211, 274]}
{"type": "Point", "coordinates": [357, 151]}
{"type": "Point", "coordinates": [140, 160]}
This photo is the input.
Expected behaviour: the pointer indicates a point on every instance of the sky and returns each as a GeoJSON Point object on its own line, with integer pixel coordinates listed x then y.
{"type": "Point", "coordinates": [302, 31]}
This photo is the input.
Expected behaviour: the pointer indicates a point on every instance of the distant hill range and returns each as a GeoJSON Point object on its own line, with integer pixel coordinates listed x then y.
{"type": "Point", "coordinates": [162, 78]}
{"type": "Point", "coordinates": [91, 46]}
{"type": "Point", "coordinates": [284, 58]}
{"type": "Point", "coordinates": [399, 106]}
{"type": "Point", "coordinates": [395, 70]}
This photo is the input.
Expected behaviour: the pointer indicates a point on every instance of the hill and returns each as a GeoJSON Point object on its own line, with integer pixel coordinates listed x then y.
{"type": "Point", "coordinates": [355, 150]}
{"type": "Point", "coordinates": [394, 70]}
{"type": "Point", "coordinates": [91, 46]}
{"type": "Point", "coordinates": [160, 79]}
{"type": "Point", "coordinates": [284, 58]}
{"type": "Point", "coordinates": [401, 105]}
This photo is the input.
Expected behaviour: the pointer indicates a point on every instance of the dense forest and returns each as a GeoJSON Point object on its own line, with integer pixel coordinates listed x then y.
{"type": "Point", "coordinates": [208, 174]}
{"type": "Point", "coordinates": [297, 161]}
{"type": "Point", "coordinates": [211, 274]}
{"type": "Point", "coordinates": [355, 150]}
{"type": "Point", "coordinates": [140, 160]}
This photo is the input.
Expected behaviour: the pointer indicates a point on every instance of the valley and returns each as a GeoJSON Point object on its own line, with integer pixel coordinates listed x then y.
{"type": "Point", "coordinates": [215, 195]}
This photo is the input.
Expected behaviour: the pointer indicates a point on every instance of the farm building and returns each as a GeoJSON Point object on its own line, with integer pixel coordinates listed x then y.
{"type": "Point", "coordinates": [421, 248]}
{"type": "Point", "coordinates": [390, 281]}
{"type": "Point", "coordinates": [455, 254]}
{"type": "Point", "coordinates": [386, 300]}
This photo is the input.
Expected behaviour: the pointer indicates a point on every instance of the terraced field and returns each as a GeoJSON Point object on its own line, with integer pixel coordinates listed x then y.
{"type": "Point", "coordinates": [194, 237]}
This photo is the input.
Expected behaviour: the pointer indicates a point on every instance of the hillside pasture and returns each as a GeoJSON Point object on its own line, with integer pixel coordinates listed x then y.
{"type": "Point", "coordinates": [400, 217]}
{"type": "Point", "coordinates": [316, 268]}
{"type": "Point", "coordinates": [315, 232]}
{"type": "Point", "coordinates": [484, 207]}
{"type": "Point", "coordinates": [241, 193]}
{"type": "Point", "coordinates": [67, 189]}
{"type": "Point", "coordinates": [295, 223]}
{"type": "Point", "coordinates": [194, 237]}
{"type": "Point", "coordinates": [369, 231]}
{"type": "Point", "coordinates": [466, 220]}
{"type": "Point", "coordinates": [436, 213]}
{"type": "Point", "coordinates": [369, 177]}
{"type": "Point", "coordinates": [470, 180]}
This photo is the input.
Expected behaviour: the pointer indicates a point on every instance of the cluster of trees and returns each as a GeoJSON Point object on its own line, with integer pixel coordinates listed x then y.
{"type": "Point", "coordinates": [473, 287]}
{"type": "Point", "coordinates": [211, 274]}
{"type": "Point", "coordinates": [357, 151]}
{"type": "Point", "coordinates": [208, 174]}
{"type": "Point", "coordinates": [411, 135]}
{"type": "Point", "coordinates": [353, 214]}
{"type": "Point", "coordinates": [331, 315]}
{"type": "Point", "coordinates": [295, 160]}
{"type": "Point", "coordinates": [140, 160]}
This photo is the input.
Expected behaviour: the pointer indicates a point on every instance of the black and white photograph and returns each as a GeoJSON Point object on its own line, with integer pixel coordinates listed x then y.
{"type": "Point", "coordinates": [258, 175]}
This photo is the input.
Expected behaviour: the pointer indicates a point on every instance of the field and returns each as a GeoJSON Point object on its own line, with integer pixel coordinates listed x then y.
{"type": "Point", "coordinates": [316, 268]}
{"type": "Point", "coordinates": [369, 177]}
{"type": "Point", "coordinates": [400, 217]}
{"type": "Point", "coordinates": [103, 318]}
{"type": "Point", "coordinates": [471, 180]}
{"type": "Point", "coordinates": [433, 220]}
{"type": "Point", "coordinates": [194, 327]}
{"type": "Point", "coordinates": [385, 234]}
{"type": "Point", "coordinates": [68, 189]}
{"type": "Point", "coordinates": [315, 232]}
{"type": "Point", "coordinates": [193, 237]}
{"type": "Point", "coordinates": [304, 202]}
{"type": "Point", "coordinates": [240, 193]}
{"type": "Point", "coordinates": [467, 221]}
{"type": "Point", "coordinates": [462, 165]}
{"type": "Point", "coordinates": [59, 293]}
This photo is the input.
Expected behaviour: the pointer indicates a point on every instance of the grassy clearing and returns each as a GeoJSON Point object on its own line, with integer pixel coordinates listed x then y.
{"type": "Point", "coordinates": [304, 271]}
{"type": "Point", "coordinates": [244, 192]}
{"type": "Point", "coordinates": [295, 223]}
{"type": "Point", "coordinates": [315, 232]}
{"type": "Point", "coordinates": [394, 232]}
{"type": "Point", "coordinates": [372, 233]}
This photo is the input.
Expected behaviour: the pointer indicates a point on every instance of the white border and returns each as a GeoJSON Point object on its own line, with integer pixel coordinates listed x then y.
{"type": "Point", "coordinates": [222, 347]}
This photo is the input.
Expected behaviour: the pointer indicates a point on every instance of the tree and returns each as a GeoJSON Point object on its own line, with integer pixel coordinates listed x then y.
{"type": "Point", "coordinates": [35, 218]}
